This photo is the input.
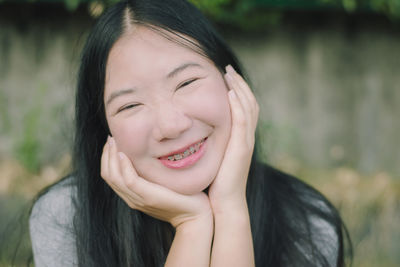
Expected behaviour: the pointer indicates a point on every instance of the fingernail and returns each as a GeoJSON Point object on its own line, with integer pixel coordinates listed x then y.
{"type": "Point", "coordinates": [230, 69]}
{"type": "Point", "coordinates": [111, 141]}
{"type": "Point", "coordinates": [121, 155]}
{"type": "Point", "coordinates": [232, 93]}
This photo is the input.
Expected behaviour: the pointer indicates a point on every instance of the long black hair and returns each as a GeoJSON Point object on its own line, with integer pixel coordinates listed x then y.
{"type": "Point", "coordinates": [285, 213]}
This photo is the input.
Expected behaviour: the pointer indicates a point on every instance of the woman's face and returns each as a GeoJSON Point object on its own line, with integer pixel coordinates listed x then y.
{"type": "Point", "coordinates": [167, 109]}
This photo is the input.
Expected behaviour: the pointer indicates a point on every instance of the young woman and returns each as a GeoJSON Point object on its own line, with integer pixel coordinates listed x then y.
{"type": "Point", "coordinates": [166, 169]}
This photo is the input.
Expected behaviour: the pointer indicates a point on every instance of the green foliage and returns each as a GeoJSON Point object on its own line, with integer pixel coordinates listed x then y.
{"type": "Point", "coordinates": [5, 123]}
{"type": "Point", "coordinates": [247, 13]}
{"type": "Point", "coordinates": [27, 147]}
{"type": "Point", "coordinates": [389, 7]}
{"type": "Point", "coordinates": [71, 4]}
{"type": "Point", "coordinates": [255, 14]}
{"type": "Point", "coordinates": [238, 14]}
{"type": "Point", "coordinates": [15, 246]}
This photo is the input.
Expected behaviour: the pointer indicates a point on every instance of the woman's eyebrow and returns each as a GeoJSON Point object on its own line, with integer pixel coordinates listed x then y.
{"type": "Point", "coordinates": [119, 93]}
{"type": "Point", "coordinates": [181, 68]}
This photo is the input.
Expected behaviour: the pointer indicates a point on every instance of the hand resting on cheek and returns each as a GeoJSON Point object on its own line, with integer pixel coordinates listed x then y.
{"type": "Point", "coordinates": [228, 187]}
{"type": "Point", "coordinates": [150, 198]}
{"type": "Point", "coordinates": [203, 222]}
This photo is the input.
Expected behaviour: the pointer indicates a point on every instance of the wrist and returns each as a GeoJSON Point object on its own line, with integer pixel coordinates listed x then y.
{"type": "Point", "coordinates": [200, 223]}
{"type": "Point", "coordinates": [232, 217]}
{"type": "Point", "coordinates": [232, 205]}
{"type": "Point", "coordinates": [192, 242]}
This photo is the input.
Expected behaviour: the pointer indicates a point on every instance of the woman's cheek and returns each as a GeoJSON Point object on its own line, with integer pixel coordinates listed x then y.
{"type": "Point", "coordinates": [130, 135]}
{"type": "Point", "coordinates": [208, 103]}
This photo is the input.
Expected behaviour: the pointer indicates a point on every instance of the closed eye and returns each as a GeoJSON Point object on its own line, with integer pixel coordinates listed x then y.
{"type": "Point", "coordinates": [186, 83]}
{"type": "Point", "coordinates": [130, 106]}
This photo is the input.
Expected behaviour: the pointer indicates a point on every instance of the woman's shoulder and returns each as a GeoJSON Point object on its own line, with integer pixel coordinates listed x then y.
{"type": "Point", "coordinates": [51, 225]}
{"type": "Point", "coordinates": [55, 202]}
{"type": "Point", "coordinates": [309, 214]}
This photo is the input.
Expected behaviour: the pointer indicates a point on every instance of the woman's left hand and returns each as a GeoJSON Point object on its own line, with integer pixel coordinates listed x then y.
{"type": "Point", "coordinates": [228, 189]}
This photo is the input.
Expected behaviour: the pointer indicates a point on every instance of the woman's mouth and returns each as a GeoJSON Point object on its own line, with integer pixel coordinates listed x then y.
{"type": "Point", "coordinates": [185, 157]}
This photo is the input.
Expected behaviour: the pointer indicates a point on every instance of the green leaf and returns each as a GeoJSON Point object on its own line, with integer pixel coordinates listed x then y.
{"type": "Point", "coordinates": [72, 5]}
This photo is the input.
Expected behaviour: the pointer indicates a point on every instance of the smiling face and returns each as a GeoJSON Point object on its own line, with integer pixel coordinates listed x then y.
{"type": "Point", "coordinates": [167, 109]}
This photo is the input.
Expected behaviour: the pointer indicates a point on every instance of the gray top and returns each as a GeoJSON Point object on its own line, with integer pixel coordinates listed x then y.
{"type": "Point", "coordinates": [53, 241]}
{"type": "Point", "coordinates": [50, 226]}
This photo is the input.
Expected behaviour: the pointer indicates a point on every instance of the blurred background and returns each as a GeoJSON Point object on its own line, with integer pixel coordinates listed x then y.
{"type": "Point", "coordinates": [326, 74]}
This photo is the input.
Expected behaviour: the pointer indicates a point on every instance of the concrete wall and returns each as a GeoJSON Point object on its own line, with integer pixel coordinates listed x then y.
{"type": "Point", "coordinates": [329, 94]}
{"type": "Point", "coordinates": [332, 95]}
{"type": "Point", "coordinates": [39, 54]}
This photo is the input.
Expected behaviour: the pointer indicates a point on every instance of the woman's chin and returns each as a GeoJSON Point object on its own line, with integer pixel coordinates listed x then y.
{"type": "Point", "coordinates": [192, 189]}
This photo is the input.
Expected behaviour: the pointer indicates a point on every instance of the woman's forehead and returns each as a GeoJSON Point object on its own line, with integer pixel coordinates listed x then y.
{"type": "Point", "coordinates": [145, 55]}
{"type": "Point", "coordinates": [146, 47]}
{"type": "Point", "coordinates": [148, 39]}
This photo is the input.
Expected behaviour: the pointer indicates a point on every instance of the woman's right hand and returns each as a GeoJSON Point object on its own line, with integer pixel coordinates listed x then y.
{"type": "Point", "coordinates": [153, 199]}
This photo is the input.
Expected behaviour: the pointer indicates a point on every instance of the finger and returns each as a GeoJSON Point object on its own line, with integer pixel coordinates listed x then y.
{"type": "Point", "coordinates": [243, 90]}
{"type": "Point", "coordinates": [113, 164]}
{"type": "Point", "coordinates": [127, 169]}
{"type": "Point", "coordinates": [146, 193]}
{"type": "Point", "coordinates": [143, 191]}
{"type": "Point", "coordinates": [124, 196]}
{"type": "Point", "coordinates": [129, 175]}
{"type": "Point", "coordinates": [242, 84]}
{"type": "Point", "coordinates": [104, 161]}
{"type": "Point", "coordinates": [243, 122]}
{"type": "Point", "coordinates": [233, 85]}
{"type": "Point", "coordinates": [250, 111]}
{"type": "Point", "coordinates": [117, 183]}
{"type": "Point", "coordinates": [238, 116]}
{"type": "Point", "coordinates": [105, 168]}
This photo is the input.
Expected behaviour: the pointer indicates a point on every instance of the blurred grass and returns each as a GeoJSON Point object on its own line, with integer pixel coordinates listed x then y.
{"type": "Point", "coordinates": [369, 205]}
{"type": "Point", "coordinates": [18, 187]}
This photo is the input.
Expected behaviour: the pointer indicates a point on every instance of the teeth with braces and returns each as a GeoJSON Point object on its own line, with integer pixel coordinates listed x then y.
{"type": "Point", "coordinates": [191, 150]}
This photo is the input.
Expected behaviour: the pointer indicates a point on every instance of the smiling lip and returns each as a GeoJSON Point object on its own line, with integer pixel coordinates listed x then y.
{"type": "Point", "coordinates": [182, 149]}
{"type": "Point", "coordinates": [187, 161]}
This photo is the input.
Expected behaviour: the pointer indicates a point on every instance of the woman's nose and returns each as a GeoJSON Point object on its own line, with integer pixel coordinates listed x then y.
{"type": "Point", "coordinates": [170, 122]}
